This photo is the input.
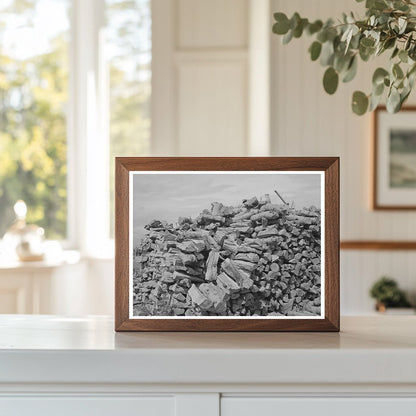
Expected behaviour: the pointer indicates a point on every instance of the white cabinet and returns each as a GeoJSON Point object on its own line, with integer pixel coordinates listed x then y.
{"type": "Point", "coordinates": [88, 406]}
{"type": "Point", "coordinates": [39, 287]}
{"type": "Point", "coordinates": [79, 366]}
{"type": "Point", "coordinates": [271, 406]}
{"type": "Point", "coordinates": [65, 286]}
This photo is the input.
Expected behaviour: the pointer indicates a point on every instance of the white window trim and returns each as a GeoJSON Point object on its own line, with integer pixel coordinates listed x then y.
{"type": "Point", "coordinates": [88, 141]}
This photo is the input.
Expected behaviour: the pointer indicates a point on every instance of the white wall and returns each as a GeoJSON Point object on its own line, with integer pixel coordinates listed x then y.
{"type": "Point", "coordinates": [202, 85]}
{"type": "Point", "coordinates": [223, 77]}
{"type": "Point", "coordinates": [308, 122]}
{"type": "Point", "coordinates": [211, 92]}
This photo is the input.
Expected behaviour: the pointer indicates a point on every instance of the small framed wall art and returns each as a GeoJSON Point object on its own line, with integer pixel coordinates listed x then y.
{"type": "Point", "coordinates": [227, 244]}
{"type": "Point", "coordinates": [394, 150]}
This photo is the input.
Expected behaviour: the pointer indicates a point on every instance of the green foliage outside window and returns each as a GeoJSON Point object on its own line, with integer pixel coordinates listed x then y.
{"type": "Point", "coordinates": [34, 103]}
{"type": "Point", "coordinates": [33, 99]}
{"type": "Point", "coordinates": [129, 42]}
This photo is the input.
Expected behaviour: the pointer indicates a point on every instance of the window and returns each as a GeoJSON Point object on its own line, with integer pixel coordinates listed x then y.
{"type": "Point", "coordinates": [33, 98]}
{"type": "Point", "coordinates": [75, 87]}
{"type": "Point", "coordinates": [129, 46]}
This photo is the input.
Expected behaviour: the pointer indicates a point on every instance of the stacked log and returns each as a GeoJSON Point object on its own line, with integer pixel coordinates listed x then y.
{"type": "Point", "coordinates": [254, 259]}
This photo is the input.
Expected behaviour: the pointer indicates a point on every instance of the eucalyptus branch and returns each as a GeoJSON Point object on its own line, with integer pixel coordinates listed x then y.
{"type": "Point", "coordinates": [389, 25]}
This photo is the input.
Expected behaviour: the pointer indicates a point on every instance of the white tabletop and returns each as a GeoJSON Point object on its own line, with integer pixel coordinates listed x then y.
{"type": "Point", "coordinates": [57, 349]}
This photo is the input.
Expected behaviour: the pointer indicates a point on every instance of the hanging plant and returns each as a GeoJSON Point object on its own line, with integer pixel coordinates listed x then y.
{"type": "Point", "coordinates": [389, 27]}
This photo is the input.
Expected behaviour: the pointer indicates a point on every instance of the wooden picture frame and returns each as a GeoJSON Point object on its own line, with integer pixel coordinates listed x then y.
{"type": "Point", "coordinates": [132, 181]}
{"type": "Point", "coordinates": [391, 176]}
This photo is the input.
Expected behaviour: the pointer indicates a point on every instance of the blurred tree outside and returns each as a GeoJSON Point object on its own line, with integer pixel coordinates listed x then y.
{"type": "Point", "coordinates": [129, 45]}
{"type": "Point", "coordinates": [34, 67]}
{"type": "Point", "coordinates": [33, 99]}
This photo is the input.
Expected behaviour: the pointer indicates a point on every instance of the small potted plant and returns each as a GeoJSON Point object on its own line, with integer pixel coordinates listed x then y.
{"type": "Point", "coordinates": [388, 295]}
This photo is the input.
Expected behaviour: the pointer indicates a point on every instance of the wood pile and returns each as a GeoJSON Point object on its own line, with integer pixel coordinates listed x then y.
{"type": "Point", "coordinates": [257, 258]}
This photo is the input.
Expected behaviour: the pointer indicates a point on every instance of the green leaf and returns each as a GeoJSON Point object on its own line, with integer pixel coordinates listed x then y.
{"type": "Point", "coordinates": [378, 89]}
{"type": "Point", "coordinates": [403, 56]}
{"type": "Point", "coordinates": [374, 101]}
{"type": "Point", "coordinates": [294, 20]}
{"type": "Point", "coordinates": [355, 41]}
{"type": "Point", "coordinates": [327, 53]}
{"type": "Point", "coordinates": [315, 50]}
{"type": "Point", "coordinates": [397, 71]}
{"type": "Point", "coordinates": [411, 71]}
{"type": "Point", "coordinates": [367, 42]}
{"type": "Point", "coordinates": [400, 5]}
{"type": "Point", "coordinates": [389, 43]}
{"type": "Point", "coordinates": [411, 75]}
{"type": "Point", "coordinates": [395, 52]}
{"type": "Point", "coordinates": [351, 71]}
{"type": "Point", "coordinates": [402, 24]}
{"type": "Point", "coordinates": [376, 4]}
{"type": "Point", "coordinates": [366, 48]}
{"type": "Point", "coordinates": [412, 52]}
{"type": "Point", "coordinates": [348, 35]}
{"type": "Point", "coordinates": [314, 27]}
{"type": "Point", "coordinates": [322, 36]}
{"type": "Point", "coordinates": [341, 61]}
{"type": "Point", "coordinates": [403, 96]}
{"type": "Point", "coordinates": [366, 53]}
{"type": "Point", "coordinates": [408, 42]}
{"type": "Point", "coordinates": [281, 27]}
{"type": "Point", "coordinates": [288, 37]}
{"type": "Point", "coordinates": [379, 75]}
{"type": "Point", "coordinates": [359, 103]}
{"type": "Point", "coordinates": [298, 30]}
{"type": "Point", "coordinates": [330, 80]}
{"type": "Point", "coordinates": [393, 101]}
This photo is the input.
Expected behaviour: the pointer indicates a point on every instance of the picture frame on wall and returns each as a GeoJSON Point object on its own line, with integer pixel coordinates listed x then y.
{"type": "Point", "coordinates": [227, 244]}
{"type": "Point", "coordinates": [394, 164]}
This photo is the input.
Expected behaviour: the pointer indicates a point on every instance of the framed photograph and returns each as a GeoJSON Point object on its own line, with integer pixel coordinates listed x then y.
{"type": "Point", "coordinates": [227, 244]}
{"type": "Point", "coordinates": [394, 178]}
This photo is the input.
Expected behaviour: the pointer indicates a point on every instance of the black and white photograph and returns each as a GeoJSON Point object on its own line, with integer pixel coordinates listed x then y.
{"type": "Point", "coordinates": [226, 244]}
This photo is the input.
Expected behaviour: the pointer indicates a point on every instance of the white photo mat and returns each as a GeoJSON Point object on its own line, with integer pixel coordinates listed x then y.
{"type": "Point", "coordinates": [133, 174]}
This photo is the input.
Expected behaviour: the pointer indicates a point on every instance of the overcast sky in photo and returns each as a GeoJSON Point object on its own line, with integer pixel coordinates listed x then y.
{"type": "Point", "coordinates": [170, 196]}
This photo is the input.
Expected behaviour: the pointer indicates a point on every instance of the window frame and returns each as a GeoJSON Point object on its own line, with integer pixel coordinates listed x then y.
{"type": "Point", "coordinates": [87, 133]}
{"type": "Point", "coordinates": [87, 124]}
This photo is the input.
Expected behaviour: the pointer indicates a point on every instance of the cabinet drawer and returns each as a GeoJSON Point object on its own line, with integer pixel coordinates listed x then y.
{"type": "Point", "coordinates": [87, 406]}
{"type": "Point", "coordinates": [273, 406]}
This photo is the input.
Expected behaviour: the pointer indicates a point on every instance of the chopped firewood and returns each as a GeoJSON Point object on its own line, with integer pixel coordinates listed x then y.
{"type": "Point", "coordinates": [252, 257]}
{"type": "Point", "coordinates": [240, 276]}
{"type": "Point", "coordinates": [228, 284]}
{"type": "Point", "coordinates": [269, 256]}
{"type": "Point", "coordinates": [268, 215]}
{"type": "Point", "coordinates": [244, 215]}
{"type": "Point", "coordinates": [199, 298]}
{"type": "Point", "coordinates": [186, 258]}
{"type": "Point", "coordinates": [268, 232]}
{"type": "Point", "coordinates": [191, 246]}
{"type": "Point", "coordinates": [216, 208]}
{"type": "Point", "coordinates": [178, 276]}
{"type": "Point", "coordinates": [310, 307]}
{"type": "Point", "coordinates": [216, 295]}
{"type": "Point", "coordinates": [244, 265]}
{"type": "Point", "coordinates": [252, 202]}
{"type": "Point", "coordinates": [211, 265]}
{"type": "Point", "coordinates": [265, 199]}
